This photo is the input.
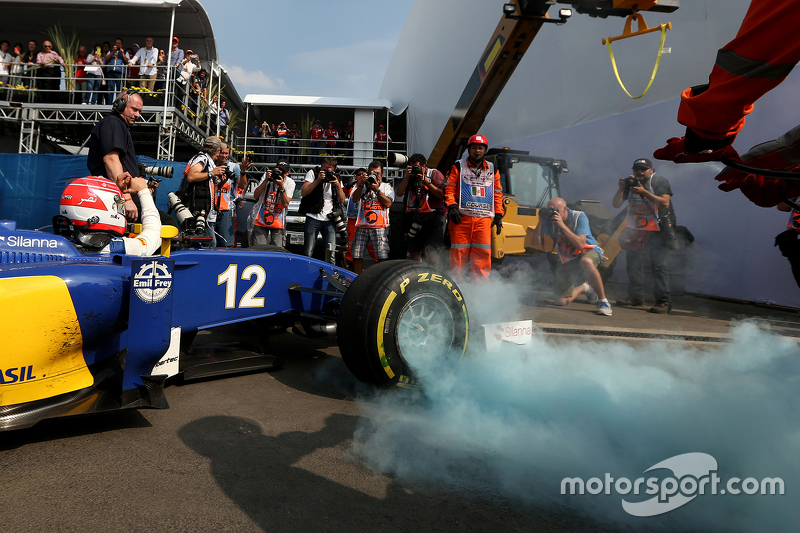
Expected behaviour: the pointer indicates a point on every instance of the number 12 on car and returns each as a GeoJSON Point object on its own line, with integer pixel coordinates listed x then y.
{"type": "Point", "coordinates": [249, 300]}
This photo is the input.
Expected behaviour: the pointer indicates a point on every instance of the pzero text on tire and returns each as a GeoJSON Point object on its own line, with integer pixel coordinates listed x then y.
{"type": "Point", "coordinates": [399, 319]}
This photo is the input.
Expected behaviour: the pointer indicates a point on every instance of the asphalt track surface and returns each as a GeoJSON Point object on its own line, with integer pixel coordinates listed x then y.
{"type": "Point", "coordinates": [270, 451]}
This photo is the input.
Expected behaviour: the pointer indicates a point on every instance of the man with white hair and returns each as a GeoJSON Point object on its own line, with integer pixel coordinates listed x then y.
{"type": "Point", "coordinates": [578, 252]}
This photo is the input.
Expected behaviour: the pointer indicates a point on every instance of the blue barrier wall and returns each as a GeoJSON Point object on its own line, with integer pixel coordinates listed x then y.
{"type": "Point", "coordinates": [31, 185]}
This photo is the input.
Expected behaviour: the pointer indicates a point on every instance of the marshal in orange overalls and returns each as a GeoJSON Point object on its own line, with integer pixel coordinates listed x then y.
{"type": "Point", "coordinates": [479, 196]}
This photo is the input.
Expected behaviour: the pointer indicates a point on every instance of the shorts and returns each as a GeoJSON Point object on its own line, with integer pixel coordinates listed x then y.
{"type": "Point", "coordinates": [272, 236]}
{"type": "Point", "coordinates": [569, 275]}
{"type": "Point", "coordinates": [379, 237]}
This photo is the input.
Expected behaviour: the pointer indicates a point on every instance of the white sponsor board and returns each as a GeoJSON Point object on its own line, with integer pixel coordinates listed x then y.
{"type": "Point", "coordinates": [519, 332]}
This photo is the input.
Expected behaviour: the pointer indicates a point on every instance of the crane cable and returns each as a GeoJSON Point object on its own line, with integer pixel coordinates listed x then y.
{"type": "Point", "coordinates": [655, 68]}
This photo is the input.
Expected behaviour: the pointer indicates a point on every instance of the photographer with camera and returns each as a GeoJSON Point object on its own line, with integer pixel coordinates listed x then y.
{"type": "Point", "coordinates": [321, 203]}
{"type": "Point", "coordinates": [375, 198]}
{"type": "Point", "coordinates": [220, 218]}
{"type": "Point", "coordinates": [197, 191]}
{"type": "Point", "coordinates": [578, 252]}
{"type": "Point", "coordinates": [474, 198]}
{"type": "Point", "coordinates": [648, 235]}
{"type": "Point", "coordinates": [425, 216]}
{"type": "Point", "coordinates": [266, 223]}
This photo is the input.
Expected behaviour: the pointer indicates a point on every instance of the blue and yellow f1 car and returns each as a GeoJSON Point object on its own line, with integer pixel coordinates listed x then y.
{"type": "Point", "coordinates": [89, 333]}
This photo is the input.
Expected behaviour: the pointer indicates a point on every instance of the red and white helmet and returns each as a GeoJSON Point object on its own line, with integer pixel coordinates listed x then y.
{"type": "Point", "coordinates": [96, 208]}
{"type": "Point", "coordinates": [478, 139]}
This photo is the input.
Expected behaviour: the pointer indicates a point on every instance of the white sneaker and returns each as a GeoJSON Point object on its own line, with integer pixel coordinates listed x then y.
{"type": "Point", "coordinates": [603, 308]}
{"type": "Point", "coordinates": [591, 296]}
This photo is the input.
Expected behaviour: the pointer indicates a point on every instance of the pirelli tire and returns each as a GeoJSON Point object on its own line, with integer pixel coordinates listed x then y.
{"type": "Point", "coordinates": [399, 318]}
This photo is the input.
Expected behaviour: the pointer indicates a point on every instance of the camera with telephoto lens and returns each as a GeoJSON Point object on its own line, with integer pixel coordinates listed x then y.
{"type": "Point", "coordinates": [193, 227]}
{"type": "Point", "coordinates": [667, 230]}
{"type": "Point", "coordinates": [546, 213]}
{"type": "Point", "coordinates": [330, 176]}
{"type": "Point", "coordinates": [164, 172]}
{"type": "Point", "coordinates": [632, 181]}
{"type": "Point", "coordinates": [339, 223]}
{"type": "Point", "coordinates": [372, 178]}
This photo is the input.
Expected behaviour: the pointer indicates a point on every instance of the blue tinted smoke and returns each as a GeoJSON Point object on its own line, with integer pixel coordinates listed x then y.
{"type": "Point", "coordinates": [516, 422]}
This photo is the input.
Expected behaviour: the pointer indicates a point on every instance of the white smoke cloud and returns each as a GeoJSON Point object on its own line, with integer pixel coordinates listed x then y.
{"type": "Point", "coordinates": [515, 423]}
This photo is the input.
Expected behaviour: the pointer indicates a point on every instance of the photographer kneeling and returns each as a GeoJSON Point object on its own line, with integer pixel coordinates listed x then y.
{"type": "Point", "coordinates": [425, 218]}
{"type": "Point", "coordinates": [273, 194]}
{"type": "Point", "coordinates": [197, 190]}
{"type": "Point", "coordinates": [321, 190]}
{"type": "Point", "coordinates": [375, 198]}
{"type": "Point", "coordinates": [578, 252]}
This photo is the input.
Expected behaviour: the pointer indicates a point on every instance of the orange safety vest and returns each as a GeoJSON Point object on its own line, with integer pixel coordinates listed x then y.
{"type": "Point", "coordinates": [271, 215]}
{"type": "Point", "coordinates": [566, 250]}
{"type": "Point", "coordinates": [642, 214]}
{"type": "Point", "coordinates": [371, 213]}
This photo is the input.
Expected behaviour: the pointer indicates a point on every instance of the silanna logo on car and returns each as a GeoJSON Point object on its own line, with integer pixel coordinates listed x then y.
{"type": "Point", "coordinates": [18, 241]}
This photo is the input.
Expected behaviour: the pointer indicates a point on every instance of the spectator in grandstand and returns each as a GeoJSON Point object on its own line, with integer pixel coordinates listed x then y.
{"type": "Point", "coordinates": [80, 74]}
{"type": "Point", "coordinates": [282, 133]}
{"type": "Point", "coordinates": [185, 78]}
{"type": "Point", "coordinates": [224, 115]}
{"type": "Point", "coordinates": [381, 141]}
{"type": "Point", "coordinates": [348, 137]}
{"type": "Point", "coordinates": [16, 66]}
{"type": "Point", "coordinates": [331, 136]}
{"type": "Point", "coordinates": [115, 69]}
{"type": "Point", "coordinates": [29, 60]}
{"type": "Point", "coordinates": [5, 64]}
{"type": "Point", "coordinates": [195, 93]}
{"type": "Point", "coordinates": [294, 143]}
{"type": "Point", "coordinates": [49, 72]}
{"type": "Point", "coordinates": [94, 75]}
{"type": "Point", "coordinates": [161, 71]}
{"type": "Point", "coordinates": [254, 142]}
{"type": "Point", "coordinates": [147, 58]}
{"type": "Point", "coordinates": [212, 111]}
{"type": "Point", "coordinates": [133, 72]}
{"type": "Point", "coordinates": [316, 138]}
{"type": "Point", "coordinates": [202, 82]}
{"type": "Point", "coordinates": [176, 56]}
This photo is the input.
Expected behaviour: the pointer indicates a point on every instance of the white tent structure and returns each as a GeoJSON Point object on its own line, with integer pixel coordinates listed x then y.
{"type": "Point", "coordinates": [563, 101]}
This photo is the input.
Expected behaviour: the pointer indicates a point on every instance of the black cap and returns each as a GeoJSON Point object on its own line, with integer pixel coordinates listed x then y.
{"type": "Point", "coordinates": [284, 166]}
{"type": "Point", "coordinates": [643, 163]}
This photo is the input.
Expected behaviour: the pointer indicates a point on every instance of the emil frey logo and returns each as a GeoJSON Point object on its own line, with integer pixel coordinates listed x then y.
{"type": "Point", "coordinates": [153, 282]}
{"type": "Point", "coordinates": [692, 475]}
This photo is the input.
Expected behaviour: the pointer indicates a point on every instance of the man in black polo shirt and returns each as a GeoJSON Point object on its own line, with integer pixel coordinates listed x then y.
{"type": "Point", "coordinates": [111, 152]}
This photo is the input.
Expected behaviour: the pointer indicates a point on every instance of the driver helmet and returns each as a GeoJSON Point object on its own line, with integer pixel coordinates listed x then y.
{"type": "Point", "coordinates": [478, 139]}
{"type": "Point", "coordinates": [96, 208]}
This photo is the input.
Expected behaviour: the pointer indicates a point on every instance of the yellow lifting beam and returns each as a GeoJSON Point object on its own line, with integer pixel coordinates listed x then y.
{"type": "Point", "coordinates": [626, 33]}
